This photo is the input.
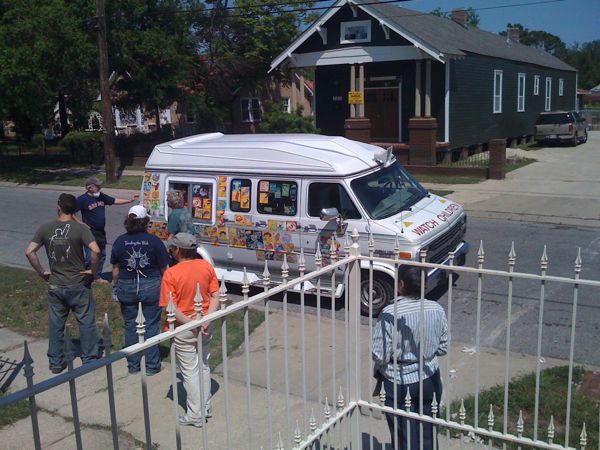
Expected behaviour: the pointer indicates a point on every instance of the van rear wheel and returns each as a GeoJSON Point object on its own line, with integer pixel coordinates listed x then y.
{"type": "Point", "coordinates": [382, 290]}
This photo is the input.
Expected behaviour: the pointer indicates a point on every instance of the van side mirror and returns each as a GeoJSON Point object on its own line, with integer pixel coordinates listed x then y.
{"type": "Point", "coordinates": [328, 214]}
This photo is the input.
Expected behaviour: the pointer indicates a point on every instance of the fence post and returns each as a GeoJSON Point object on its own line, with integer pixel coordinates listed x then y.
{"type": "Point", "coordinates": [497, 149]}
{"type": "Point", "coordinates": [354, 368]}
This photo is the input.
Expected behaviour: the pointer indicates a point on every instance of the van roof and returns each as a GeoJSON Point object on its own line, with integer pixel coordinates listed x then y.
{"type": "Point", "coordinates": [266, 153]}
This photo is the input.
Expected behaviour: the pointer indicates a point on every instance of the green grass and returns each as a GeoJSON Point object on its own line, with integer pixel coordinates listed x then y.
{"type": "Point", "coordinates": [23, 308]}
{"type": "Point", "coordinates": [514, 164]}
{"type": "Point", "coordinates": [447, 179]}
{"type": "Point", "coordinates": [530, 147]}
{"type": "Point", "coordinates": [13, 413]}
{"type": "Point", "coordinates": [553, 401]}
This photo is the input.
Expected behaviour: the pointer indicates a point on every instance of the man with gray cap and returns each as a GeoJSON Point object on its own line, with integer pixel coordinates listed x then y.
{"type": "Point", "coordinates": [92, 204]}
{"type": "Point", "coordinates": [180, 283]}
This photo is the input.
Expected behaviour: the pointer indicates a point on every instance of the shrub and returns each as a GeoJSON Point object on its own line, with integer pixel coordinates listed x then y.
{"type": "Point", "coordinates": [274, 120]}
{"type": "Point", "coordinates": [84, 146]}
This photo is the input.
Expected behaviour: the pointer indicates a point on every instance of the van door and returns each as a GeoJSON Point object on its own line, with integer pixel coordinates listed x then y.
{"type": "Point", "coordinates": [277, 223]}
{"type": "Point", "coordinates": [320, 194]}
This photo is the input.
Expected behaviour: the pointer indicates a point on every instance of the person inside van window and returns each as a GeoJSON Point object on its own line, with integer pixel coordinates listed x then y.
{"type": "Point", "coordinates": [180, 219]}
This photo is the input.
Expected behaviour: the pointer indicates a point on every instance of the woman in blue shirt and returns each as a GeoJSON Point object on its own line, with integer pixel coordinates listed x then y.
{"type": "Point", "coordinates": [138, 260]}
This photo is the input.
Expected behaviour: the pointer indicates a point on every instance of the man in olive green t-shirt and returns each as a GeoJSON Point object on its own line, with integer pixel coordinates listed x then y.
{"type": "Point", "coordinates": [69, 284]}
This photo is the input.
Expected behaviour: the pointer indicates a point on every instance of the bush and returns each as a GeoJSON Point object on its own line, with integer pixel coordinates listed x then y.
{"type": "Point", "coordinates": [38, 140]}
{"type": "Point", "coordinates": [84, 146]}
{"type": "Point", "coordinates": [274, 120]}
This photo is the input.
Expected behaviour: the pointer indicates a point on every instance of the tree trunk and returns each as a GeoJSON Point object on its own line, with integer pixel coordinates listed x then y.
{"type": "Point", "coordinates": [62, 114]}
{"type": "Point", "coordinates": [157, 113]}
{"type": "Point", "coordinates": [107, 115]}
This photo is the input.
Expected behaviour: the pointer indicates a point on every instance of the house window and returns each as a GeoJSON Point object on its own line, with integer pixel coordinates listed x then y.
{"type": "Point", "coordinates": [240, 195]}
{"type": "Point", "coordinates": [353, 32]}
{"type": "Point", "coordinates": [277, 197]}
{"type": "Point", "coordinates": [521, 93]}
{"type": "Point", "coordinates": [251, 111]}
{"type": "Point", "coordinates": [536, 85]}
{"type": "Point", "coordinates": [190, 117]}
{"type": "Point", "coordinates": [548, 101]}
{"type": "Point", "coordinates": [286, 105]}
{"type": "Point", "coordinates": [497, 91]}
{"type": "Point", "coordinates": [561, 83]}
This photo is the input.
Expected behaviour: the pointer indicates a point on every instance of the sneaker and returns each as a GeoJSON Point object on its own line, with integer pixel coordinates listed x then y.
{"type": "Point", "coordinates": [186, 421]}
{"type": "Point", "coordinates": [150, 373]}
{"type": "Point", "coordinates": [58, 369]}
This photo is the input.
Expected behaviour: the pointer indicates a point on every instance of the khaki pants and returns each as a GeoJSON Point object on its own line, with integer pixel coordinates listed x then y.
{"type": "Point", "coordinates": [193, 370]}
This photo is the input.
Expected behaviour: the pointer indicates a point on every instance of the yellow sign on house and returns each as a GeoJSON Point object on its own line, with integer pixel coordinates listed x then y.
{"type": "Point", "coordinates": [355, 98]}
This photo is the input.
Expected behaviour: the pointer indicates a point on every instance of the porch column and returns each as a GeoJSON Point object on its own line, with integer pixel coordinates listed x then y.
{"type": "Point", "coordinates": [447, 102]}
{"type": "Point", "coordinates": [361, 88]}
{"type": "Point", "coordinates": [428, 88]}
{"type": "Point", "coordinates": [301, 94]}
{"type": "Point", "coordinates": [293, 100]}
{"type": "Point", "coordinates": [357, 126]}
{"type": "Point", "coordinates": [417, 88]}
{"type": "Point", "coordinates": [352, 87]}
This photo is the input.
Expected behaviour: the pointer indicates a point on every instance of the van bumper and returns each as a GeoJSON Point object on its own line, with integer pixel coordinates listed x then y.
{"type": "Point", "coordinates": [436, 276]}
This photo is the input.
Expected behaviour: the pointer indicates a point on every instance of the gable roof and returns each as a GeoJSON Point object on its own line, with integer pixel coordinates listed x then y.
{"type": "Point", "coordinates": [440, 37]}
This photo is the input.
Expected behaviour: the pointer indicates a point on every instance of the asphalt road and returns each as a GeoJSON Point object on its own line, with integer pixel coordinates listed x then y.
{"type": "Point", "coordinates": [24, 209]}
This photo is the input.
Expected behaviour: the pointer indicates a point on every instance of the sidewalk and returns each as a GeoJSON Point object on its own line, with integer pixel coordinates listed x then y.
{"type": "Point", "coordinates": [562, 187]}
{"type": "Point", "coordinates": [56, 416]}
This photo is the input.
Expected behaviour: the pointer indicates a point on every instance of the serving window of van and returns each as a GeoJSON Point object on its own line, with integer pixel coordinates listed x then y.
{"type": "Point", "coordinates": [277, 197]}
{"type": "Point", "coordinates": [330, 195]}
{"type": "Point", "coordinates": [240, 195]}
{"type": "Point", "coordinates": [198, 198]}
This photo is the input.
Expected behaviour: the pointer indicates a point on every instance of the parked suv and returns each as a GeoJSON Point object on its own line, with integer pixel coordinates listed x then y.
{"type": "Point", "coordinates": [560, 126]}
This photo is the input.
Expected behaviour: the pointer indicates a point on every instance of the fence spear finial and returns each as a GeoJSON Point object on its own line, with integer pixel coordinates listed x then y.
{"type": "Point", "coordinates": [520, 424]}
{"type": "Point", "coordinates": [312, 421]}
{"type": "Point", "coordinates": [551, 430]}
{"type": "Point", "coordinates": [583, 437]}
{"type": "Point", "coordinates": [297, 434]}
{"type": "Point", "coordinates": [340, 399]}
{"type": "Point", "coordinates": [491, 418]}
{"type": "Point", "coordinates": [223, 293]}
{"type": "Point", "coordinates": [106, 335]}
{"type": "Point", "coordinates": [578, 261]}
{"type": "Point", "coordinates": [318, 256]}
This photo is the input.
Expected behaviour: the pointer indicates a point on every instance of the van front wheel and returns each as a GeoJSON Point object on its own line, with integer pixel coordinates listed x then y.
{"type": "Point", "coordinates": [382, 291]}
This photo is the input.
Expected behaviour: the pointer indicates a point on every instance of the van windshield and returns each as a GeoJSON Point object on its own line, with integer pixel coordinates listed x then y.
{"type": "Point", "coordinates": [388, 191]}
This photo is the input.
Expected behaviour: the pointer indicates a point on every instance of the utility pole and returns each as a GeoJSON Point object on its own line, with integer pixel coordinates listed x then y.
{"type": "Point", "coordinates": [107, 116]}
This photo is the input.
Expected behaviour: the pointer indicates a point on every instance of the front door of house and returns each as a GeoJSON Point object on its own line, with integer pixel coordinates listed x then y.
{"type": "Point", "coordinates": [382, 107]}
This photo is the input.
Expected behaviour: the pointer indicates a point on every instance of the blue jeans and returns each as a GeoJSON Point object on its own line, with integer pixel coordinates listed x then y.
{"type": "Point", "coordinates": [408, 429]}
{"type": "Point", "coordinates": [87, 255]}
{"type": "Point", "coordinates": [147, 293]}
{"type": "Point", "coordinates": [61, 300]}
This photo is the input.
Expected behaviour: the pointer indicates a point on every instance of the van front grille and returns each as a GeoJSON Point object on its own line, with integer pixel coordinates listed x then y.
{"type": "Point", "coordinates": [438, 249]}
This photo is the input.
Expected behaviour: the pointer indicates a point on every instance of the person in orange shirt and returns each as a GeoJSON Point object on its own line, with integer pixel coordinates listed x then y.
{"type": "Point", "coordinates": [180, 283]}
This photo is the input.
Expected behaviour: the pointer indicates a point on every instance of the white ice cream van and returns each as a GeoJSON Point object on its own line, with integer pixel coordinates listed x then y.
{"type": "Point", "coordinates": [258, 197]}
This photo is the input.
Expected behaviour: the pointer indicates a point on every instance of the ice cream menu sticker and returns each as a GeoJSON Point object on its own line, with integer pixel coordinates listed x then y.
{"type": "Point", "coordinates": [202, 201]}
{"type": "Point", "coordinates": [151, 190]}
{"type": "Point", "coordinates": [222, 189]}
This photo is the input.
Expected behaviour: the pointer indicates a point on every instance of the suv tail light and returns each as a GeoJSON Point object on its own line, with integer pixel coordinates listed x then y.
{"type": "Point", "coordinates": [570, 127]}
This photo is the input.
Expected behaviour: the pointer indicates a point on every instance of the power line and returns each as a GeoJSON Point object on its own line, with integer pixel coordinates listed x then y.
{"type": "Point", "coordinates": [217, 12]}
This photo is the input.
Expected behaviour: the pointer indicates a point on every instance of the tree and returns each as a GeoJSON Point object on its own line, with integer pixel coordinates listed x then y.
{"type": "Point", "coordinates": [47, 57]}
{"type": "Point", "coordinates": [274, 120]}
{"type": "Point", "coordinates": [472, 15]}
{"type": "Point", "coordinates": [585, 57]}
{"type": "Point", "coordinates": [152, 50]}
{"type": "Point", "coordinates": [237, 45]}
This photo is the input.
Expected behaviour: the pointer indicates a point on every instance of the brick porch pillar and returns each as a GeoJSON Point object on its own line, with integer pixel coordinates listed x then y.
{"type": "Point", "coordinates": [497, 149]}
{"type": "Point", "coordinates": [358, 129]}
{"type": "Point", "coordinates": [422, 133]}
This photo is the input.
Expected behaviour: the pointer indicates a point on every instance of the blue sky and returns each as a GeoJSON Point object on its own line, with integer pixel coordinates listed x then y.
{"type": "Point", "coordinates": [571, 20]}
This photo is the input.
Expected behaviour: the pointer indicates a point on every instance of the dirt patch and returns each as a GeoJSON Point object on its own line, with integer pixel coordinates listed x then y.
{"type": "Point", "coordinates": [590, 385]}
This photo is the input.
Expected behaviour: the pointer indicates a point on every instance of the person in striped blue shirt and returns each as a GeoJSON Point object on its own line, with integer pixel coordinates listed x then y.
{"type": "Point", "coordinates": [395, 351]}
